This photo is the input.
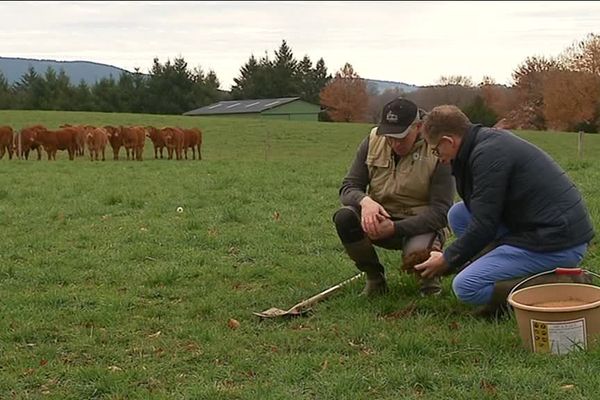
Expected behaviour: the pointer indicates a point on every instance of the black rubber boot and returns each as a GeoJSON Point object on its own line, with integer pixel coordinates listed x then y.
{"type": "Point", "coordinates": [497, 307]}
{"type": "Point", "coordinates": [374, 286]}
{"type": "Point", "coordinates": [430, 287]}
{"type": "Point", "coordinates": [365, 258]}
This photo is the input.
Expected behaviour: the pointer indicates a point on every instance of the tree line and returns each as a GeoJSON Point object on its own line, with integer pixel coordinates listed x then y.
{"type": "Point", "coordinates": [558, 93]}
{"type": "Point", "coordinates": [561, 92]}
{"type": "Point", "coordinates": [169, 88]}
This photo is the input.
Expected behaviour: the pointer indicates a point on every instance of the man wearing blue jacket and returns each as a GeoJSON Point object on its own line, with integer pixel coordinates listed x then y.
{"type": "Point", "coordinates": [516, 200]}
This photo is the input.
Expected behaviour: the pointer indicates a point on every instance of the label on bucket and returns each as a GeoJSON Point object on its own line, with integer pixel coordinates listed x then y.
{"type": "Point", "coordinates": [558, 337]}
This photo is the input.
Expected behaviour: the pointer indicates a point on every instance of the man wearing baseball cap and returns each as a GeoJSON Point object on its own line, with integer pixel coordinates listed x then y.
{"type": "Point", "coordinates": [396, 195]}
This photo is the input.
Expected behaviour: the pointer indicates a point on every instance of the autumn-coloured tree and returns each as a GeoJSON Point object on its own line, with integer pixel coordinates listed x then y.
{"type": "Point", "coordinates": [500, 98]}
{"type": "Point", "coordinates": [584, 55]}
{"type": "Point", "coordinates": [570, 98]}
{"type": "Point", "coordinates": [529, 78]}
{"type": "Point", "coordinates": [345, 97]}
{"type": "Point", "coordinates": [529, 83]}
{"type": "Point", "coordinates": [459, 80]}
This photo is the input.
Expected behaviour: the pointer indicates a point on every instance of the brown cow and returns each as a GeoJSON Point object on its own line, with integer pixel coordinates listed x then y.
{"type": "Point", "coordinates": [27, 140]}
{"type": "Point", "coordinates": [6, 141]}
{"type": "Point", "coordinates": [193, 139]}
{"type": "Point", "coordinates": [115, 139]}
{"type": "Point", "coordinates": [80, 138]}
{"type": "Point", "coordinates": [96, 140]}
{"type": "Point", "coordinates": [174, 138]}
{"type": "Point", "coordinates": [158, 140]}
{"type": "Point", "coordinates": [134, 138]}
{"type": "Point", "coordinates": [61, 139]}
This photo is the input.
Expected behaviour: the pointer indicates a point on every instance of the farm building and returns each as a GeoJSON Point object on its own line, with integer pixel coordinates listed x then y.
{"type": "Point", "coordinates": [291, 108]}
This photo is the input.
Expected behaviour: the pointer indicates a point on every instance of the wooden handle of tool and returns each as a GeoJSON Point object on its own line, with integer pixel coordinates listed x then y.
{"type": "Point", "coordinates": [325, 294]}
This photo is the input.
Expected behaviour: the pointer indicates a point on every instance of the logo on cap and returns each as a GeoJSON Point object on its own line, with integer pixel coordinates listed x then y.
{"type": "Point", "coordinates": [391, 117]}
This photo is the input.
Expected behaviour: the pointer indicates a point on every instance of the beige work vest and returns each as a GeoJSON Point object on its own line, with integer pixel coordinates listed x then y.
{"type": "Point", "coordinates": [402, 189]}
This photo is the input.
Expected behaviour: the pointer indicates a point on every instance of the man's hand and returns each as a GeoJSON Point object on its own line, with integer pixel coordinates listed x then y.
{"type": "Point", "coordinates": [435, 266]}
{"type": "Point", "coordinates": [385, 228]}
{"type": "Point", "coordinates": [371, 216]}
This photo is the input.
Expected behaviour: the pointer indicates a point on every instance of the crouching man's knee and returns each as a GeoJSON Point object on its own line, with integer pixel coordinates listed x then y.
{"type": "Point", "coordinates": [347, 224]}
{"type": "Point", "coordinates": [471, 290]}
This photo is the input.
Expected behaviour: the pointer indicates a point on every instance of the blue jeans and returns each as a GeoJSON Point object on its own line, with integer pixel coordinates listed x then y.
{"type": "Point", "coordinates": [475, 283]}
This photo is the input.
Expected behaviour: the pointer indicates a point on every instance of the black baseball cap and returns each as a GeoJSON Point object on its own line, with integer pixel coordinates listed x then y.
{"type": "Point", "coordinates": [397, 117]}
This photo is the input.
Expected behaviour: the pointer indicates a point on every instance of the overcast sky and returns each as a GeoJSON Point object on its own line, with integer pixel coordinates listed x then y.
{"type": "Point", "coordinates": [412, 42]}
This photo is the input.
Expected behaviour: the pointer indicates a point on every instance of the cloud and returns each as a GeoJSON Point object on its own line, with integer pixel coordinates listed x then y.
{"type": "Point", "coordinates": [414, 42]}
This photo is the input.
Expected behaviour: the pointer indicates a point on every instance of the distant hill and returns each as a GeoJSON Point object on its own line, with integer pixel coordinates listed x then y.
{"type": "Point", "coordinates": [90, 72]}
{"type": "Point", "coordinates": [379, 87]}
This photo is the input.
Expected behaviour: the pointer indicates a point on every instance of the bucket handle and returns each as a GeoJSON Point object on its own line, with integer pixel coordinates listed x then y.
{"type": "Point", "coordinates": [557, 271]}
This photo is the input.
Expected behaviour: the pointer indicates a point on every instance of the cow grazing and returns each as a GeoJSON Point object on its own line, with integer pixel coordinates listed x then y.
{"type": "Point", "coordinates": [96, 140]}
{"type": "Point", "coordinates": [27, 141]}
{"type": "Point", "coordinates": [134, 138]}
{"type": "Point", "coordinates": [158, 140]}
{"type": "Point", "coordinates": [6, 141]}
{"type": "Point", "coordinates": [115, 138]}
{"type": "Point", "coordinates": [61, 139]}
{"type": "Point", "coordinates": [192, 139]}
{"type": "Point", "coordinates": [174, 139]}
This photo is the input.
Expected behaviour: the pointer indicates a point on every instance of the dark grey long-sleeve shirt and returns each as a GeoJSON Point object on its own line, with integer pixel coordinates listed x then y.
{"type": "Point", "coordinates": [441, 194]}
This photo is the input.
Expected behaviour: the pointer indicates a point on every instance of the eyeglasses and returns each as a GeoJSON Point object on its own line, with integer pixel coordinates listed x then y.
{"type": "Point", "coordinates": [435, 150]}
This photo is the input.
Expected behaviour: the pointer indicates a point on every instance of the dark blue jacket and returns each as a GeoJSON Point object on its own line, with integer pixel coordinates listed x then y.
{"type": "Point", "coordinates": [504, 179]}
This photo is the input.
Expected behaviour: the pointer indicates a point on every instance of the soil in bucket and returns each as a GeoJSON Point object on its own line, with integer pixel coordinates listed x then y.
{"type": "Point", "coordinates": [557, 318]}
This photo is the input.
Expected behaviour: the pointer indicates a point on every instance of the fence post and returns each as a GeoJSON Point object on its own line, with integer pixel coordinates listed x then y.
{"type": "Point", "coordinates": [580, 144]}
{"type": "Point", "coordinates": [267, 144]}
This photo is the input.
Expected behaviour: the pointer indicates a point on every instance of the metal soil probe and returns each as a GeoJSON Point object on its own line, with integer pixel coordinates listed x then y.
{"type": "Point", "coordinates": [304, 306]}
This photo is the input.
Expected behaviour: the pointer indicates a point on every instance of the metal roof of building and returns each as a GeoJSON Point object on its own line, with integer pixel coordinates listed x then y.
{"type": "Point", "coordinates": [241, 106]}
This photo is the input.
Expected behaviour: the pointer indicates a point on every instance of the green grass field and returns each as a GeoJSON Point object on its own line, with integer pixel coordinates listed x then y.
{"type": "Point", "coordinates": [108, 293]}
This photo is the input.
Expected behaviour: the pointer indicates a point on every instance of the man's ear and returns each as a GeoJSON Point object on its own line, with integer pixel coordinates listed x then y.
{"type": "Point", "coordinates": [451, 139]}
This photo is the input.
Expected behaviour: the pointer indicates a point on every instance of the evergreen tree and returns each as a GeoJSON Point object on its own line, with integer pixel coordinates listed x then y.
{"type": "Point", "coordinates": [255, 81]}
{"type": "Point", "coordinates": [320, 79]}
{"type": "Point", "coordinates": [105, 94]}
{"type": "Point", "coordinates": [139, 104]}
{"type": "Point", "coordinates": [206, 88]}
{"type": "Point", "coordinates": [479, 113]}
{"type": "Point", "coordinates": [313, 79]}
{"type": "Point", "coordinates": [82, 97]}
{"type": "Point", "coordinates": [284, 75]}
{"type": "Point", "coordinates": [127, 92]}
{"type": "Point", "coordinates": [263, 82]}
{"type": "Point", "coordinates": [64, 93]}
{"type": "Point", "coordinates": [244, 84]}
{"type": "Point", "coordinates": [54, 91]}
{"type": "Point", "coordinates": [306, 79]}
{"type": "Point", "coordinates": [170, 87]}
{"type": "Point", "coordinates": [6, 97]}
{"type": "Point", "coordinates": [27, 90]}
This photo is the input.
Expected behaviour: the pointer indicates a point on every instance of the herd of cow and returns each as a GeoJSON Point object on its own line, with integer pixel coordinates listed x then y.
{"type": "Point", "coordinates": [75, 138]}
